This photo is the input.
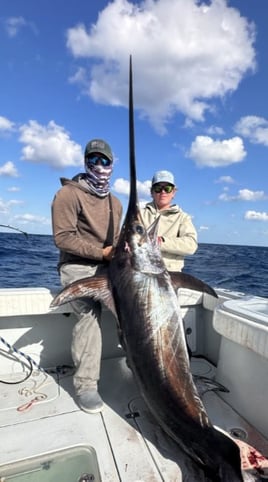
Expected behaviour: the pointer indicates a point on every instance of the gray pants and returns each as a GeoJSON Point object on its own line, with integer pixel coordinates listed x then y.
{"type": "Point", "coordinates": [86, 338]}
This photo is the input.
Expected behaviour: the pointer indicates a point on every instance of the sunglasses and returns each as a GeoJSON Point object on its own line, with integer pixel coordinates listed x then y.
{"type": "Point", "coordinates": [167, 189]}
{"type": "Point", "coordinates": [95, 159]}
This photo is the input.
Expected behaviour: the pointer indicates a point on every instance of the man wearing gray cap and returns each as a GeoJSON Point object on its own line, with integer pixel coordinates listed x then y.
{"type": "Point", "coordinates": [86, 220]}
{"type": "Point", "coordinates": [177, 234]}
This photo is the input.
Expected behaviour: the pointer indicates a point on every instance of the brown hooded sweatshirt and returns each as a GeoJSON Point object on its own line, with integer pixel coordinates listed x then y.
{"type": "Point", "coordinates": [83, 224]}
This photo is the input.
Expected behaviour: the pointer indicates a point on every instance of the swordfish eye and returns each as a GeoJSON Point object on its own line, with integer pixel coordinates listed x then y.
{"type": "Point", "coordinates": [139, 229]}
{"type": "Point", "coordinates": [139, 233]}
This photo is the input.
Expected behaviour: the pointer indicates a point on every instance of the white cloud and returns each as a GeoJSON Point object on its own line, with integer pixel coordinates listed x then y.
{"type": "Point", "coordinates": [256, 216]}
{"type": "Point", "coordinates": [225, 179]}
{"type": "Point", "coordinates": [182, 62]}
{"type": "Point", "coordinates": [49, 144]}
{"type": "Point", "coordinates": [254, 128]}
{"type": "Point", "coordinates": [215, 130]}
{"type": "Point", "coordinates": [144, 188]}
{"type": "Point", "coordinates": [244, 195]}
{"type": "Point", "coordinates": [8, 170]}
{"type": "Point", "coordinates": [5, 205]}
{"type": "Point", "coordinates": [13, 189]}
{"type": "Point", "coordinates": [15, 202]}
{"type": "Point", "coordinates": [79, 77]}
{"type": "Point", "coordinates": [6, 125]}
{"type": "Point", "coordinates": [32, 219]}
{"type": "Point", "coordinates": [247, 195]}
{"type": "Point", "coordinates": [13, 26]}
{"type": "Point", "coordinates": [207, 152]}
{"type": "Point", "coordinates": [121, 186]}
{"type": "Point", "coordinates": [203, 228]}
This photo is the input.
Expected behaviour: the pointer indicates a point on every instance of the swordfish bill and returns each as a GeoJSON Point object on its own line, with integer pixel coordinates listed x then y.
{"type": "Point", "coordinates": [140, 291]}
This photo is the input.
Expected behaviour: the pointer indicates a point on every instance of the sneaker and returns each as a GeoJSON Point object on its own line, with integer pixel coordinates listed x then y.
{"type": "Point", "coordinates": [90, 401]}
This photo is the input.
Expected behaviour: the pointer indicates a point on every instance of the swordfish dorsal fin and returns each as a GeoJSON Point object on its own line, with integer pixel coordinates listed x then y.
{"type": "Point", "coordinates": [185, 280]}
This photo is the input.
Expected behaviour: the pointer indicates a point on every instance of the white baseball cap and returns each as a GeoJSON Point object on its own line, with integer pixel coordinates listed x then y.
{"type": "Point", "coordinates": [163, 176]}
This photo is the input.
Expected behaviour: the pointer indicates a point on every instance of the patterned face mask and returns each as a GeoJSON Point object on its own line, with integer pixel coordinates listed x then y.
{"type": "Point", "coordinates": [98, 178]}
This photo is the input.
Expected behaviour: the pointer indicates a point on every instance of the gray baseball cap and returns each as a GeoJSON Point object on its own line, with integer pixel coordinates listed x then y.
{"type": "Point", "coordinates": [100, 147]}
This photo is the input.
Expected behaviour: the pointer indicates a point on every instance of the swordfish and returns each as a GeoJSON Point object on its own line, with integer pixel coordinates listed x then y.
{"type": "Point", "coordinates": [142, 294]}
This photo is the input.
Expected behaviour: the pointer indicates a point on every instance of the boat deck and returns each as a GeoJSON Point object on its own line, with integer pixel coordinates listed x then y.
{"type": "Point", "coordinates": [130, 446]}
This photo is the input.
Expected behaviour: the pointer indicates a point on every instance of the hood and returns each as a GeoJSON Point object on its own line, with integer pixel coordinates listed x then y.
{"type": "Point", "coordinates": [77, 181]}
{"type": "Point", "coordinates": [173, 209]}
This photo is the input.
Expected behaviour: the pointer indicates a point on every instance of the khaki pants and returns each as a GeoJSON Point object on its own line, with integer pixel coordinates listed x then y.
{"type": "Point", "coordinates": [86, 338]}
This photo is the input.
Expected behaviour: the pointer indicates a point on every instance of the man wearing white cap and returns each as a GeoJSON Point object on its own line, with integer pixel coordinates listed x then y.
{"type": "Point", "coordinates": [177, 234]}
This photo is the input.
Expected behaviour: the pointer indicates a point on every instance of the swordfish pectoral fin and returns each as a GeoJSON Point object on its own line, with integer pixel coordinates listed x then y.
{"type": "Point", "coordinates": [185, 280]}
{"type": "Point", "coordinates": [96, 287]}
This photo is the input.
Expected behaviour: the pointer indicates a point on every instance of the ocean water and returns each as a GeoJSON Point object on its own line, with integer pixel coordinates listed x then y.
{"type": "Point", "coordinates": [32, 262]}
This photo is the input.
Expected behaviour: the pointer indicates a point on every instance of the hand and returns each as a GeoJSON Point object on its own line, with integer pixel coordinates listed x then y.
{"type": "Point", "coordinates": [108, 252]}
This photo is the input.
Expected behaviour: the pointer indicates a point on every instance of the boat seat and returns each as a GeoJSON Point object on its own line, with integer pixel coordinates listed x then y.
{"type": "Point", "coordinates": [244, 321]}
{"type": "Point", "coordinates": [28, 301]}
{"type": "Point", "coordinates": [35, 301]}
{"type": "Point", "coordinates": [188, 297]}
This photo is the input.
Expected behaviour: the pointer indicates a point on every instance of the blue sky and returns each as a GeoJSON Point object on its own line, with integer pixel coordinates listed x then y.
{"type": "Point", "coordinates": [200, 77]}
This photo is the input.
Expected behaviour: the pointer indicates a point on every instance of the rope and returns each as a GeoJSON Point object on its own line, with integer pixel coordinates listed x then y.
{"type": "Point", "coordinates": [34, 391]}
{"type": "Point", "coordinates": [30, 360]}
